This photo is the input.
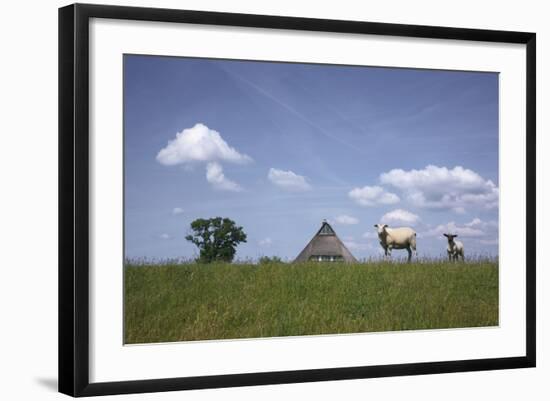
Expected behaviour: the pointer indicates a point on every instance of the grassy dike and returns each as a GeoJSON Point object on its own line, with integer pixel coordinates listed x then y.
{"type": "Point", "coordinates": [165, 302]}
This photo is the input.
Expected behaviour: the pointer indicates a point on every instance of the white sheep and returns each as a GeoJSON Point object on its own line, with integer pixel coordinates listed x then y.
{"type": "Point", "coordinates": [396, 238]}
{"type": "Point", "coordinates": [454, 248]}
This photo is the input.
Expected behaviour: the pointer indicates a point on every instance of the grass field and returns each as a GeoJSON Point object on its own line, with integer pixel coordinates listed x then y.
{"type": "Point", "coordinates": [170, 302]}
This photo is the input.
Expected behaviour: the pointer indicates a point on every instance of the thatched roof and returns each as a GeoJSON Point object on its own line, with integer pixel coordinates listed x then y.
{"type": "Point", "coordinates": [325, 244]}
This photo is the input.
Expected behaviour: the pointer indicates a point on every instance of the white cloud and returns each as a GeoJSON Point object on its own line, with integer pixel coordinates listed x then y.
{"type": "Point", "coordinates": [370, 235]}
{"type": "Point", "coordinates": [177, 210]}
{"type": "Point", "coordinates": [400, 216]}
{"type": "Point", "coordinates": [288, 180]}
{"type": "Point", "coordinates": [483, 225]}
{"type": "Point", "coordinates": [165, 236]}
{"type": "Point", "coordinates": [216, 177]}
{"type": "Point", "coordinates": [371, 196]}
{"type": "Point", "coordinates": [475, 222]}
{"type": "Point", "coordinates": [344, 219]}
{"type": "Point", "coordinates": [475, 228]}
{"type": "Point", "coordinates": [453, 228]}
{"type": "Point", "coordinates": [199, 144]}
{"type": "Point", "coordinates": [441, 188]}
{"type": "Point", "coordinates": [357, 246]}
{"type": "Point", "coordinates": [265, 242]}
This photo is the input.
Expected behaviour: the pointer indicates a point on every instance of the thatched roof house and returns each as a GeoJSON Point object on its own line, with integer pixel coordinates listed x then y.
{"type": "Point", "coordinates": [325, 246]}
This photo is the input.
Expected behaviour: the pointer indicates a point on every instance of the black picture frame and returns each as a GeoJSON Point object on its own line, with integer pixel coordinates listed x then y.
{"type": "Point", "coordinates": [74, 199]}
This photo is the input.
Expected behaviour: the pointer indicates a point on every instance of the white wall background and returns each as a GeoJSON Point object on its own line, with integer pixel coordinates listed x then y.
{"type": "Point", "coordinates": [28, 201]}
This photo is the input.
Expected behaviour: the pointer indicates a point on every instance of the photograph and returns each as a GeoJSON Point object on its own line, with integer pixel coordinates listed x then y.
{"type": "Point", "coordinates": [269, 199]}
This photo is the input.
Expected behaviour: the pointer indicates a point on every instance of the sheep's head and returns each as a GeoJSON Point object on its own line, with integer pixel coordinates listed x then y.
{"type": "Point", "coordinates": [381, 228]}
{"type": "Point", "coordinates": [450, 237]}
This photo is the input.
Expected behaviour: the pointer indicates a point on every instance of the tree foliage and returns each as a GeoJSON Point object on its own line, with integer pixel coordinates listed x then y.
{"type": "Point", "coordinates": [265, 260]}
{"type": "Point", "coordinates": [216, 238]}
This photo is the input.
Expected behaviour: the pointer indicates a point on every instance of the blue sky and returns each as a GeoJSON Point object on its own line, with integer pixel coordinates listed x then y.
{"type": "Point", "coordinates": [278, 147]}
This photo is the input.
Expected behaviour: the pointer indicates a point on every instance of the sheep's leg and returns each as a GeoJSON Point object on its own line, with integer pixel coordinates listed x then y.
{"type": "Point", "coordinates": [449, 255]}
{"type": "Point", "coordinates": [385, 248]}
{"type": "Point", "coordinates": [410, 254]}
{"type": "Point", "coordinates": [413, 246]}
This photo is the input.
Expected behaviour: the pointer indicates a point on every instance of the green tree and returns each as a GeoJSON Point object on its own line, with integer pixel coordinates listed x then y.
{"type": "Point", "coordinates": [216, 238]}
{"type": "Point", "coordinates": [264, 260]}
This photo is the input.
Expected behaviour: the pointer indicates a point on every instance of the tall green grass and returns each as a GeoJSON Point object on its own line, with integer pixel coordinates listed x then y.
{"type": "Point", "coordinates": [178, 302]}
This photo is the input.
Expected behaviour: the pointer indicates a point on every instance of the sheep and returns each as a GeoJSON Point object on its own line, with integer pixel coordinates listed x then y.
{"type": "Point", "coordinates": [454, 248]}
{"type": "Point", "coordinates": [397, 238]}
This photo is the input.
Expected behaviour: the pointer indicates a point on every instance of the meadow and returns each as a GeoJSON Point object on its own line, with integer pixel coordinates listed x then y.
{"type": "Point", "coordinates": [167, 302]}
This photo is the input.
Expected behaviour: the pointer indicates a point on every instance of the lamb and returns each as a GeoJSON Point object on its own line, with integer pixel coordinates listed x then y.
{"type": "Point", "coordinates": [397, 238]}
{"type": "Point", "coordinates": [454, 248]}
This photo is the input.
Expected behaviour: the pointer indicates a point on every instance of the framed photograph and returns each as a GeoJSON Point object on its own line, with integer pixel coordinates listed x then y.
{"type": "Point", "coordinates": [251, 199]}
